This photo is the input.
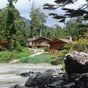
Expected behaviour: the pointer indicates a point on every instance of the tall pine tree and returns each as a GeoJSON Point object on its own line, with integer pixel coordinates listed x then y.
{"type": "Point", "coordinates": [10, 28]}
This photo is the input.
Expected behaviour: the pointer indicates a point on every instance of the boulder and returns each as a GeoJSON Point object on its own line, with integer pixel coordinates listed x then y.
{"type": "Point", "coordinates": [18, 86]}
{"type": "Point", "coordinates": [31, 82]}
{"type": "Point", "coordinates": [40, 81]}
{"type": "Point", "coordinates": [30, 73]}
{"type": "Point", "coordinates": [75, 76]}
{"type": "Point", "coordinates": [26, 74]}
{"type": "Point", "coordinates": [56, 84]}
{"type": "Point", "coordinates": [76, 62]}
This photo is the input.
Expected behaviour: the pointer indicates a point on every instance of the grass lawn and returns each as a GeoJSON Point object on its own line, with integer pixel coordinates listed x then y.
{"type": "Point", "coordinates": [6, 56]}
{"type": "Point", "coordinates": [37, 59]}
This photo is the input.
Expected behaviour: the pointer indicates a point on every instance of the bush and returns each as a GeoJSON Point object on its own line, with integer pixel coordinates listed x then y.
{"type": "Point", "coordinates": [6, 56]}
{"type": "Point", "coordinates": [2, 48]}
{"type": "Point", "coordinates": [67, 46]}
{"type": "Point", "coordinates": [47, 49]}
{"type": "Point", "coordinates": [63, 52]}
{"type": "Point", "coordinates": [57, 60]}
{"type": "Point", "coordinates": [63, 67]}
{"type": "Point", "coordinates": [54, 61]}
{"type": "Point", "coordinates": [19, 48]}
{"type": "Point", "coordinates": [80, 45]}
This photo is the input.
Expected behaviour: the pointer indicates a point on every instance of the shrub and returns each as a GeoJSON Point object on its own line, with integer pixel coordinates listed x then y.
{"type": "Point", "coordinates": [63, 67]}
{"type": "Point", "coordinates": [2, 48]}
{"type": "Point", "coordinates": [57, 60]}
{"type": "Point", "coordinates": [67, 46]}
{"type": "Point", "coordinates": [80, 45]}
{"type": "Point", "coordinates": [54, 61]}
{"type": "Point", "coordinates": [63, 52]}
{"type": "Point", "coordinates": [6, 56]}
{"type": "Point", "coordinates": [19, 48]}
{"type": "Point", "coordinates": [47, 49]}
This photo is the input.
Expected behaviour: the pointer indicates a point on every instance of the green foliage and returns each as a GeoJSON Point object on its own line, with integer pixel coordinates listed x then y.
{"type": "Point", "coordinates": [6, 56]}
{"type": "Point", "coordinates": [19, 48]}
{"type": "Point", "coordinates": [75, 30]}
{"type": "Point", "coordinates": [21, 53]}
{"type": "Point", "coordinates": [37, 23]}
{"type": "Point", "coordinates": [58, 32]}
{"type": "Point", "coordinates": [12, 27]}
{"type": "Point", "coordinates": [36, 59]}
{"type": "Point", "coordinates": [54, 61]}
{"type": "Point", "coordinates": [59, 57]}
{"type": "Point", "coordinates": [67, 46]}
{"type": "Point", "coordinates": [80, 45]}
{"type": "Point", "coordinates": [57, 60]}
{"type": "Point", "coordinates": [2, 48]}
{"type": "Point", "coordinates": [63, 67]}
{"type": "Point", "coordinates": [54, 32]}
{"type": "Point", "coordinates": [63, 52]}
{"type": "Point", "coordinates": [46, 49]}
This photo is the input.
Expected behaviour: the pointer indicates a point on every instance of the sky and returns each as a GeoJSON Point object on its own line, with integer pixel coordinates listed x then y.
{"type": "Point", "coordinates": [24, 7]}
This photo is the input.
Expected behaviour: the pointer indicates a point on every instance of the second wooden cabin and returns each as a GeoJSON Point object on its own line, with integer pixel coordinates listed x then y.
{"type": "Point", "coordinates": [58, 44]}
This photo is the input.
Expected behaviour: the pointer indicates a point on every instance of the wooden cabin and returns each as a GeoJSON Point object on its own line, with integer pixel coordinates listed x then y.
{"type": "Point", "coordinates": [42, 42]}
{"type": "Point", "coordinates": [57, 44]}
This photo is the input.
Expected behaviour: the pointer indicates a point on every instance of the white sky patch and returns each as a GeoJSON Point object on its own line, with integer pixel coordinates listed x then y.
{"type": "Point", "coordinates": [76, 4]}
{"type": "Point", "coordinates": [24, 7]}
{"type": "Point", "coordinates": [3, 3]}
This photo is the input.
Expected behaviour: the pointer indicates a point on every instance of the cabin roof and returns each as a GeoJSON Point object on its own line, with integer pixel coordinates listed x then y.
{"type": "Point", "coordinates": [61, 40]}
{"type": "Point", "coordinates": [42, 38]}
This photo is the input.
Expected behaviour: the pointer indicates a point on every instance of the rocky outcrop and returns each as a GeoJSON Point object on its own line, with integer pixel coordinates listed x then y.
{"type": "Point", "coordinates": [40, 81]}
{"type": "Point", "coordinates": [76, 62]}
{"type": "Point", "coordinates": [76, 76]}
{"type": "Point", "coordinates": [18, 86]}
{"type": "Point", "coordinates": [56, 81]}
{"type": "Point", "coordinates": [26, 74]}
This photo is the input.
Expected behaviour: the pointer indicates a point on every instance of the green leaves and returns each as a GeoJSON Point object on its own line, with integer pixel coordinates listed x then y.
{"type": "Point", "coordinates": [37, 23]}
{"type": "Point", "coordinates": [12, 27]}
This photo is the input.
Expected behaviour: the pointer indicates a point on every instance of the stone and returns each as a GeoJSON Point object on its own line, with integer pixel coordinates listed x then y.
{"type": "Point", "coordinates": [41, 80]}
{"type": "Point", "coordinates": [74, 76]}
{"type": "Point", "coordinates": [26, 74]}
{"type": "Point", "coordinates": [18, 86]}
{"type": "Point", "coordinates": [69, 85]}
{"type": "Point", "coordinates": [55, 84]}
{"type": "Point", "coordinates": [76, 62]}
{"type": "Point", "coordinates": [38, 73]}
{"type": "Point", "coordinates": [31, 82]}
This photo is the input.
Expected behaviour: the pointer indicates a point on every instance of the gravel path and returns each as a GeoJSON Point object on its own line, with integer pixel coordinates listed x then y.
{"type": "Point", "coordinates": [36, 52]}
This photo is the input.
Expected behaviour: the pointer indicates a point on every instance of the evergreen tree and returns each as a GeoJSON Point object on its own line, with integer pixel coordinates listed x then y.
{"type": "Point", "coordinates": [73, 29]}
{"type": "Point", "coordinates": [12, 28]}
{"type": "Point", "coordinates": [37, 23]}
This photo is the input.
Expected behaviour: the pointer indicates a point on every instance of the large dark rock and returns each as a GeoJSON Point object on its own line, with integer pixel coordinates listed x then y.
{"type": "Point", "coordinates": [18, 86]}
{"type": "Point", "coordinates": [56, 84]}
{"type": "Point", "coordinates": [26, 74]}
{"type": "Point", "coordinates": [76, 63]}
{"type": "Point", "coordinates": [41, 81]}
